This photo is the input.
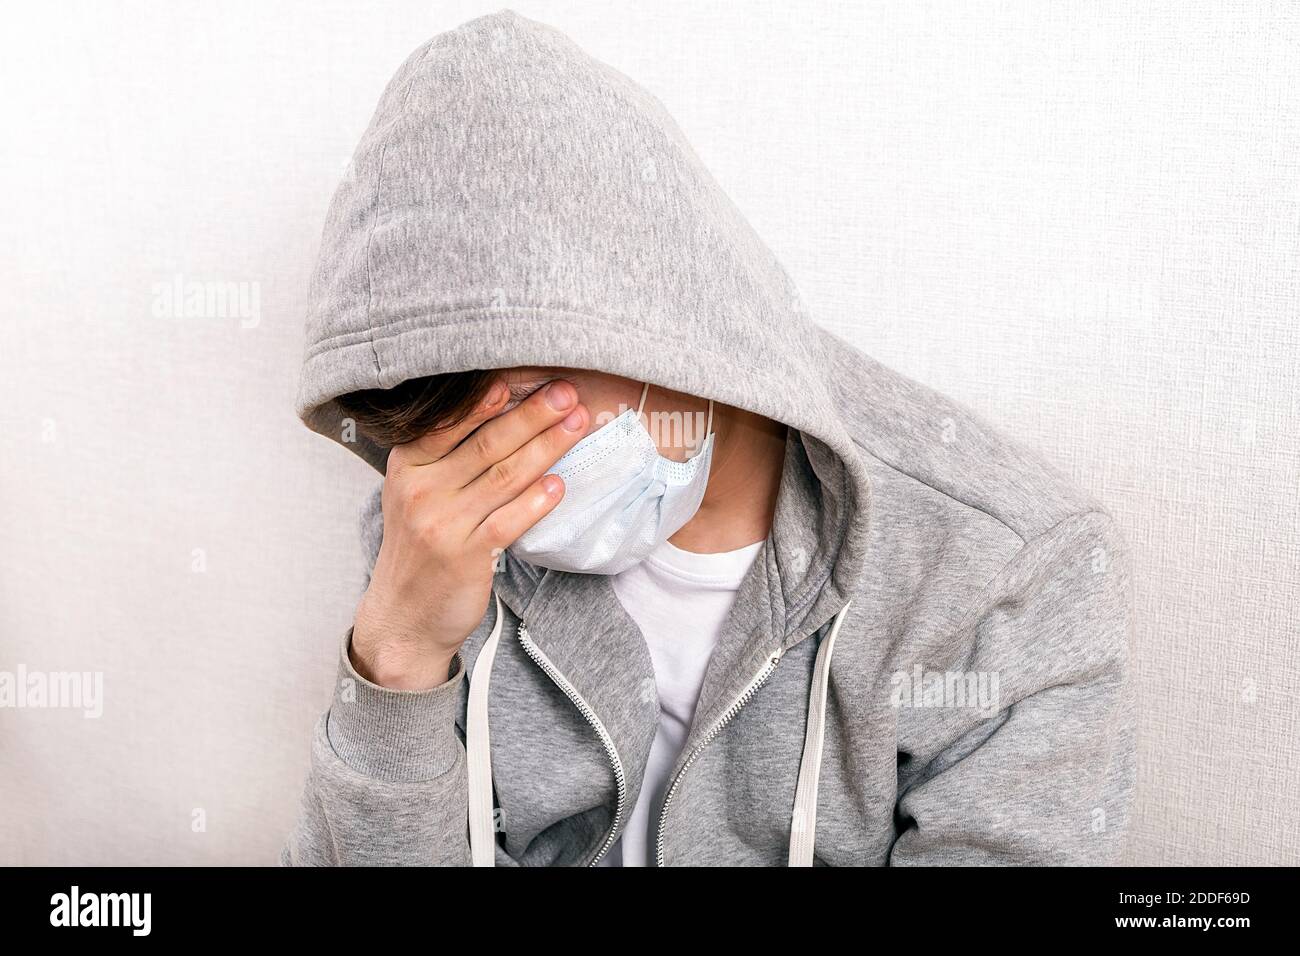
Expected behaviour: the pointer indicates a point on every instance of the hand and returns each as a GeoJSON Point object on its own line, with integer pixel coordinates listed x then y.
{"type": "Point", "coordinates": [453, 500]}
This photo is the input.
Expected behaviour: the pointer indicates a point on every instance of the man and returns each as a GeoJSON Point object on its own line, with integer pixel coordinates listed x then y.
{"type": "Point", "coordinates": [662, 572]}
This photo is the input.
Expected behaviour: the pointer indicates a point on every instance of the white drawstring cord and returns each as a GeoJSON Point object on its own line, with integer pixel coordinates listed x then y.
{"type": "Point", "coordinates": [478, 753]}
{"type": "Point", "coordinates": [482, 823]}
{"type": "Point", "coordinates": [803, 821]}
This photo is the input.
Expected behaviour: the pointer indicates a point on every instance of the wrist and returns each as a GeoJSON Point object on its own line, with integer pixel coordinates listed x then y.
{"type": "Point", "coordinates": [405, 669]}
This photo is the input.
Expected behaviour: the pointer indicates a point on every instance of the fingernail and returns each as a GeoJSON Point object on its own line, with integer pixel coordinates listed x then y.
{"type": "Point", "coordinates": [560, 395]}
{"type": "Point", "coordinates": [494, 395]}
{"type": "Point", "coordinates": [552, 485]}
{"type": "Point", "coordinates": [573, 422]}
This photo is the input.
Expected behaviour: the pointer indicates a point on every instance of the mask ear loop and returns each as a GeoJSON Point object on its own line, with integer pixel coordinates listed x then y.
{"type": "Point", "coordinates": [708, 430]}
{"type": "Point", "coordinates": [645, 390]}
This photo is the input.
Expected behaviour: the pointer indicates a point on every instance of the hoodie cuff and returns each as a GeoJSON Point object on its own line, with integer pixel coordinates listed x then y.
{"type": "Point", "coordinates": [397, 735]}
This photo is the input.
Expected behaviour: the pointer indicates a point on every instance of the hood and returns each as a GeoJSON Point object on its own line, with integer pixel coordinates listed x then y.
{"type": "Point", "coordinates": [516, 202]}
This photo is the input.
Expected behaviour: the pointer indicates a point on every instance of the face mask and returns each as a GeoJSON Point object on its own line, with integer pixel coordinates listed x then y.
{"type": "Point", "coordinates": [622, 499]}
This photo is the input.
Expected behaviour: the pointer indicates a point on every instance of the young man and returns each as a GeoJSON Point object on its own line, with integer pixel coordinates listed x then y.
{"type": "Point", "coordinates": [662, 572]}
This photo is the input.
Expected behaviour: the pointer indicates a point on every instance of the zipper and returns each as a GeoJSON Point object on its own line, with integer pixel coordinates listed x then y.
{"type": "Point", "coordinates": [759, 680]}
{"type": "Point", "coordinates": [620, 781]}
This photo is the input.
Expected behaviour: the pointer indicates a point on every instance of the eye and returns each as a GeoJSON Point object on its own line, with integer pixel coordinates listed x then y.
{"type": "Point", "coordinates": [519, 391]}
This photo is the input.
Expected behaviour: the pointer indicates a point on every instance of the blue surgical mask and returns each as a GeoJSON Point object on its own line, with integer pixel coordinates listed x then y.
{"type": "Point", "coordinates": [622, 499]}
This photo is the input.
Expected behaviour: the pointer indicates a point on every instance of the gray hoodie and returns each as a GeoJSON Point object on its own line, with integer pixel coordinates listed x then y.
{"type": "Point", "coordinates": [516, 202]}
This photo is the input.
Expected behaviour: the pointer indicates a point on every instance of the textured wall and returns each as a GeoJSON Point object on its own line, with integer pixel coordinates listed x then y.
{"type": "Point", "coordinates": [1082, 219]}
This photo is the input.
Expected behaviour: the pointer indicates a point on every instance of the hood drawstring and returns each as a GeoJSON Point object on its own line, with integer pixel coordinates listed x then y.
{"type": "Point", "coordinates": [482, 823]}
{"type": "Point", "coordinates": [803, 821]}
{"type": "Point", "coordinates": [478, 755]}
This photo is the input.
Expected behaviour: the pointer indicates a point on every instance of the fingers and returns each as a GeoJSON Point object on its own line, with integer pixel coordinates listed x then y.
{"type": "Point", "coordinates": [554, 407]}
{"type": "Point", "coordinates": [509, 477]}
{"type": "Point", "coordinates": [502, 527]}
{"type": "Point", "coordinates": [436, 445]}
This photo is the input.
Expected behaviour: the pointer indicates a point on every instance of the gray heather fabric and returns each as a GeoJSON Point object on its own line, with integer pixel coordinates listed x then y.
{"type": "Point", "coordinates": [515, 202]}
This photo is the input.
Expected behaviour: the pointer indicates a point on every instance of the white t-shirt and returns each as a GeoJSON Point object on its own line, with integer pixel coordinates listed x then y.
{"type": "Point", "coordinates": [680, 601]}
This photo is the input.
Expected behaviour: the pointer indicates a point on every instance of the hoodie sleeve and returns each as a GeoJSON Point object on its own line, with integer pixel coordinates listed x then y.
{"type": "Point", "coordinates": [387, 779]}
{"type": "Point", "coordinates": [1046, 778]}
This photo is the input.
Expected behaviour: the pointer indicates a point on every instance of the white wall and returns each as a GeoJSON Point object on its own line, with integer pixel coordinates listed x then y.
{"type": "Point", "coordinates": [1082, 219]}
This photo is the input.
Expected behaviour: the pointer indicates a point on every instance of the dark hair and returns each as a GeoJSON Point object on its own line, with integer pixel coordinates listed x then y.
{"type": "Point", "coordinates": [397, 415]}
